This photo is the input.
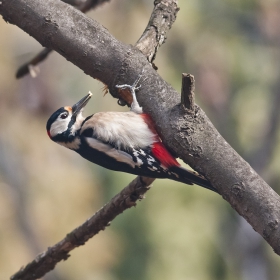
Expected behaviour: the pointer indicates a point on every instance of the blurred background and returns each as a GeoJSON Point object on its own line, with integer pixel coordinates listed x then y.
{"type": "Point", "coordinates": [178, 232]}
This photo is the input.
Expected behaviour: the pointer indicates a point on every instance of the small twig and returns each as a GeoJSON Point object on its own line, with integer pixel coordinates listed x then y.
{"type": "Point", "coordinates": [187, 92]}
{"type": "Point", "coordinates": [25, 68]}
{"type": "Point", "coordinates": [161, 20]}
{"type": "Point", "coordinates": [47, 260]}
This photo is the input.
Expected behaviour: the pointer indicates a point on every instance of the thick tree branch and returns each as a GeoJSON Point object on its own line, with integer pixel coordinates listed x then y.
{"type": "Point", "coordinates": [46, 261]}
{"type": "Point", "coordinates": [192, 136]}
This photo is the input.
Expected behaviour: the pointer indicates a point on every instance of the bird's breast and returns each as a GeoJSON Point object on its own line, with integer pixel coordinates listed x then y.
{"type": "Point", "coordinates": [123, 129]}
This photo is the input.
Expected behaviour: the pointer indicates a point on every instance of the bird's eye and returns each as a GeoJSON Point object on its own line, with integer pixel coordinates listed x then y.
{"type": "Point", "coordinates": [64, 115]}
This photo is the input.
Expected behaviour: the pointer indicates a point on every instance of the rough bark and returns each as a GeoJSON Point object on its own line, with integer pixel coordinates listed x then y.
{"type": "Point", "coordinates": [192, 137]}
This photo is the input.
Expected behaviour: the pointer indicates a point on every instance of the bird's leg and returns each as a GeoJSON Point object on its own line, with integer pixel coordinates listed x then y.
{"type": "Point", "coordinates": [134, 107]}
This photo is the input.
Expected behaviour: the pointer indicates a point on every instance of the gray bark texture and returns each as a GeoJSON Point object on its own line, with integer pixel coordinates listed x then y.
{"type": "Point", "coordinates": [190, 135]}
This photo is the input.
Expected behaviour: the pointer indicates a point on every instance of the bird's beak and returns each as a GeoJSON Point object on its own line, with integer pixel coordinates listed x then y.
{"type": "Point", "coordinates": [81, 104]}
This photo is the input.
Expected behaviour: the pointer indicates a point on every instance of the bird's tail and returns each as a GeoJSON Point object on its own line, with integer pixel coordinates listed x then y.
{"type": "Point", "coordinates": [183, 175]}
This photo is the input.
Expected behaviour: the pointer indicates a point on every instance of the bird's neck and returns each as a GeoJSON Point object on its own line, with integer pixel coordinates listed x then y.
{"type": "Point", "coordinates": [68, 140]}
{"type": "Point", "coordinates": [73, 144]}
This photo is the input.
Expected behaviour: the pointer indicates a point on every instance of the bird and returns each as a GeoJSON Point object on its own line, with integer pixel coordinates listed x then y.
{"type": "Point", "coordinates": [120, 141]}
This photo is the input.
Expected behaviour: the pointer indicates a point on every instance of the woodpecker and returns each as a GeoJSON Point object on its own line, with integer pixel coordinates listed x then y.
{"type": "Point", "coordinates": [120, 141]}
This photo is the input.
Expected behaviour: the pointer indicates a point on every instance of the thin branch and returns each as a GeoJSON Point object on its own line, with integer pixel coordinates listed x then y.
{"type": "Point", "coordinates": [25, 68]}
{"type": "Point", "coordinates": [187, 92]}
{"type": "Point", "coordinates": [161, 20]}
{"type": "Point", "coordinates": [47, 260]}
{"type": "Point", "coordinates": [82, 5]}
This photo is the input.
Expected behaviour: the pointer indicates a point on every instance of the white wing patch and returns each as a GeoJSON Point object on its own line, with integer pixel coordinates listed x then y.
{"type": "Point", "coordinates": [150, 160]}
{"type": "Point", "coordinates": [118, 155]}
{"type": "Point", "coordinates": [153, 168]}
{"type": "Point", "coordinates": [124, 129]}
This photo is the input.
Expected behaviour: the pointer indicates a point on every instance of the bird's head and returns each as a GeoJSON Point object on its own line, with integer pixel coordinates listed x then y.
{"type": "Point", "coordinates": [63, 125]}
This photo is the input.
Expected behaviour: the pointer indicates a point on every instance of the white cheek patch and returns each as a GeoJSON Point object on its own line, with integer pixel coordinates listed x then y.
{"type": "Point", "coordinates": [118, 155]}
{"type": "Point", "coordinates": [59, 126]}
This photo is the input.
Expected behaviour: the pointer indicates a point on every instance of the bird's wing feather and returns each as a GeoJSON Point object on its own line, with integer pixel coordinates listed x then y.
{"type": "Point", "coordinates": [111, 151]}
{"type": "Point", "coordinates": [140, 159]}
{"type": "Point", "coordinates": [162, 154]}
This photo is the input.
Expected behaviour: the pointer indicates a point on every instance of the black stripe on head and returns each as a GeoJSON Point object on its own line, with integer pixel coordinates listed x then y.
{"type": "Point", "coordinates": [72, 121]}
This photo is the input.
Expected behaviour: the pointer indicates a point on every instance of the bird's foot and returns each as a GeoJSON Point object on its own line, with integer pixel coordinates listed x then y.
{"type": "Point", "coordinates": [135, 107]}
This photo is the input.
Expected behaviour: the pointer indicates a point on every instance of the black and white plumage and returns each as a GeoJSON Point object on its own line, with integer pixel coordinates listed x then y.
{"type": "Point", "coordinates": [120, 141]}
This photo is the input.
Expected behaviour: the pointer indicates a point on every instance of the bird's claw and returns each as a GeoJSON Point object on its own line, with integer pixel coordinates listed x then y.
{"type": "Point", "coordinates": [135, 107]}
